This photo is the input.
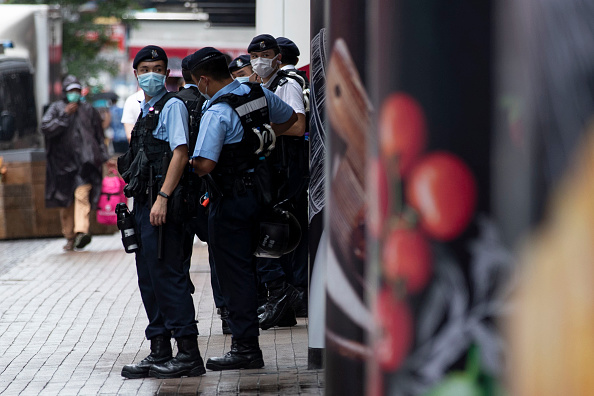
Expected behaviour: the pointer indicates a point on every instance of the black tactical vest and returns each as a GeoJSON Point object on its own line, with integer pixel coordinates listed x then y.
{"type": "Point", "coordinates": [258, 137]}
{"type": "Point", "coordinates": [143, 140]}
{"type": "Point", "coordinates": [193, 101]}
{"type": "Point", "coordinates": [194, 186]}
{"type": "Point", "coordinates": [281, 78]}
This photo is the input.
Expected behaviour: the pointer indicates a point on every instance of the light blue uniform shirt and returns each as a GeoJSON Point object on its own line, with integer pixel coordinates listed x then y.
{"type": "Point", "coordinates": [173, 120]}
{"type": "Point", "coordinates": [221, 125]}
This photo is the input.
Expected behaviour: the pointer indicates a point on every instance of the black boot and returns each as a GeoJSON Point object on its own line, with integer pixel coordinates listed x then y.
{"type": "Point", "coordinates": [281, 297]}
{"type": "Point", "coordinates": [160, 353]}
{"type": "Point", "coordinates": [187, 362]}
{"type": "Point", "coordinates": [224, 324]}
{"type": "Point", "coordinates": [245, 353]}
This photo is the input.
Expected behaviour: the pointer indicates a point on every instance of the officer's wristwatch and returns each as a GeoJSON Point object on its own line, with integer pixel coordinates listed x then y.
{"type": "Point", "coordinates": [161, 193]}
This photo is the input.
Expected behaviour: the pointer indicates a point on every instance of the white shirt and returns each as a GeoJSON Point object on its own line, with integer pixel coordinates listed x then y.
{"type": "Point", "coordinates": [290, 92]}
{"type": "Point", "coordinates": [132, 107]}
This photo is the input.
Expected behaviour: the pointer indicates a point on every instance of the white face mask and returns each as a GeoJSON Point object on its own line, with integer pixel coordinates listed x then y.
{"type": "Point", "coordinates": [205, 94]}
{"type": "Point", "coordinates": [263, 66]}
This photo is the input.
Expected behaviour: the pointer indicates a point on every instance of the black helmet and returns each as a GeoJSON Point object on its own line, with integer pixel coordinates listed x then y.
{"type": "Point", "coordinates": [280, 234]}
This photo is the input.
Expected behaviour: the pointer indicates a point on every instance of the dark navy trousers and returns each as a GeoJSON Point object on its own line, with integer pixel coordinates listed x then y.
{"type": "Point", "coordinates": [198, 226]}
{"type": "Point", "coordinates": [232, 222]}
{"type": "Point", "coordinates": [165, 286]}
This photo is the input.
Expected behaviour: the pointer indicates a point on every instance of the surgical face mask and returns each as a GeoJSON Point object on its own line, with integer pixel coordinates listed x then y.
{"type": "Point", "coordinates": [205, 94]}
{"type": "Point", "coordinates": [72, 97]}
{"type": "Point", "coordinates": [151, 83]}
{"type": "Point", "coordinates": [263, 66]}
{"type": "Point", "coordinates": [243, 79]}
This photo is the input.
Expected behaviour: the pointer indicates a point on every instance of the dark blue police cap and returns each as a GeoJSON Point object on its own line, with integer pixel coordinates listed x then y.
{"type": "Point", "coordinates": [239, 63]}
{"type": "Point", "coordinates": [150, 53]}
{"type": "Point", "coordinates": [287, 46]}
{"type": "Point", "coordinates": [201, 56]}
{"type": "Point", "coordinates": [184, 64]}
{"type": "Point", "coordinates": [263, 42]}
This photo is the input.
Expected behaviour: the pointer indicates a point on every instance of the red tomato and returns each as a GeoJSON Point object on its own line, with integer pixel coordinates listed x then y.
{"type": "Point", "coordinates": [442, 189]}
{"type": "Point", "coordinates": [379, 197]}
{"type": "Point", "coordinates": [406, 257]}
{"type": "Point", "coordinates": [395, 323]}
{"type": "Point", "coordinates": [402, 130]}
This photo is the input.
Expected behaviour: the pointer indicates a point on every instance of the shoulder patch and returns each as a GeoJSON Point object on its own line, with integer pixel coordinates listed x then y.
{"type": "Point", "coordinates": [282, 81]}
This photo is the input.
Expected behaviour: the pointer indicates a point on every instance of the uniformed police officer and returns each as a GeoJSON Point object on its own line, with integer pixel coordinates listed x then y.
{"type": "Point", "coordinates": [282, 296]}
{"type": "Point", "coordinates": [241, 69]}
{"type": "Point", "coordinates": [197, 222]}
{"type": "Point", "coordinates": [161, 133]}
{"type": "Point", "coordinates": [225, 153]}
{"type": "Point", "coordinates": [290, 57]}
{"type": "Point", "coordinates": [298, 259]}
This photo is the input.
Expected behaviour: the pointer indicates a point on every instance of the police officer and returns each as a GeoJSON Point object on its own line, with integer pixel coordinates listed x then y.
{"type": "Point", "coordinates": [290, 57]}
{"type": "Point", "coordinates": [225, 154]}
{"type": "Point", "coordinates": [282, 296]}
{"type": "Point", "coordinates": [197, 222]}
{"type": "Point", "coordinates": [299, 258]}
{"type": "Point", "coordinates": [160, 136]}
{"type": "Point", "coordinates": [241, 69]}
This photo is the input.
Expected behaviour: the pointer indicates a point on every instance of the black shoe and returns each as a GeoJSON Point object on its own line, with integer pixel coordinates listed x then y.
{"type": "Point", "coordinates": [288, 319]}
{"type": "Point", "coordinates": [81, 240]}
{"type": "Point", "coordinates": [261, 309]}
{"type": "Point", "coordinates": [244, 354]}
{"type": "Point", "coordinates": [224, 324]}
{"type": "Point", "coordinates": [281, 297]}
{"type": "Point", "coordinates": [160, 353]}
{"type": "Point", "coordinates": [187, 362]}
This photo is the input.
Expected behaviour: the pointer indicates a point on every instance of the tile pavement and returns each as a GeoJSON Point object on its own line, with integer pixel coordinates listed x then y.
{"type": "Point", "coordinates": [69, 321]}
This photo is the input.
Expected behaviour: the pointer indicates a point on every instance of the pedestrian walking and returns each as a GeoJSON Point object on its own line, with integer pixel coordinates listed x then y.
{"type": "Point", "coordinates": [75, 151]}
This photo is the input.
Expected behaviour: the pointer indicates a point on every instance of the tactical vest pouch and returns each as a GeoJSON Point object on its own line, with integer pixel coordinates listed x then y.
{"type": "Point", "coordinates": [139, 175]}
{"type": "Point", "coordinates": [124, 162]}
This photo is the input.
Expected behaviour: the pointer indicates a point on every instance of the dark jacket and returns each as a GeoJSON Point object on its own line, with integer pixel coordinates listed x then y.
{"type": "Point", "coordinates": [75, 152]}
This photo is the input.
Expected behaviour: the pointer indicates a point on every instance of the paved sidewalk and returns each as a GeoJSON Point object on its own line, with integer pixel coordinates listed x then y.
{"type": "Point", "coordinates": [69, 322]}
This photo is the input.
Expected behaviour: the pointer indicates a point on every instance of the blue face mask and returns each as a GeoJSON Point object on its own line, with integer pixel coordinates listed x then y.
{"type": "Point", "coordinates": [243, 79]}
{"type": "Point", "coordinates": [72, 97]}
{"type": "Point", "coordinates": [152, 83]}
